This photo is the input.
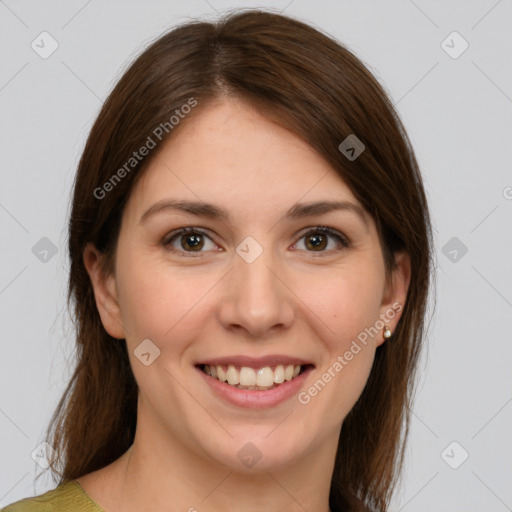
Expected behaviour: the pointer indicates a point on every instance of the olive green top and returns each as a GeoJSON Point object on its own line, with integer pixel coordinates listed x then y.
{"type": "Point", "coordinates": [67, 497]}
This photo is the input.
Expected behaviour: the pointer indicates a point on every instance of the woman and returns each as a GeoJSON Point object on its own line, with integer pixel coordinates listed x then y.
{"type": "Point", "coordinates": [250, 256]}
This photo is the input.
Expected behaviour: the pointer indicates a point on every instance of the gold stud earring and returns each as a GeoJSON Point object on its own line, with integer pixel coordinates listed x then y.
{"type": "Point", "coordinates": [387, 332]}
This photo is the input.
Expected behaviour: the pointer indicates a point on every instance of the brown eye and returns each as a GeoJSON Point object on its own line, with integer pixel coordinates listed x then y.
{"type": "Point", "coordinates": [192, 241]}
{"type": "Point", "coordinates": [317, 240]}
{"type": "Point", "coordinates": [188, 240]}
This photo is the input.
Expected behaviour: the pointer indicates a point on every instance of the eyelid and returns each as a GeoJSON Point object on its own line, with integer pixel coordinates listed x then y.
{"type": "Point", "coordinates": [327, 230]}
{"type": "Point", "coordinates": [333, 232]}
{"type": "Point", "coordinates": [167, 240]}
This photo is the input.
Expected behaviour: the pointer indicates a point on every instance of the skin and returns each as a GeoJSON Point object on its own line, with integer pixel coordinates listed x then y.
{"type": "Point", "coordinates": [293, 299]}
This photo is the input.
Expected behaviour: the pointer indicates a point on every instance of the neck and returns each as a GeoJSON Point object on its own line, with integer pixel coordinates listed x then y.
{"type": "Point", "coordinates": [162, 475]}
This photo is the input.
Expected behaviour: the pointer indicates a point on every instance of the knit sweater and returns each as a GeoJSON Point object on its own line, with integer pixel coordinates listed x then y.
{"type": "Point", "coordinates": [67, 497]}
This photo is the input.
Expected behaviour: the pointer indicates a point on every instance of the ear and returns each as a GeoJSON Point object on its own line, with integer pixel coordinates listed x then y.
{"type": "Point", "coordinates": [105, 292]}
{"type": "Point", "coordinates": [395, 292]}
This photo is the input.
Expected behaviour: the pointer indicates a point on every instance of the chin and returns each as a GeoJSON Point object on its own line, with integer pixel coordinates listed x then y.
{"type": "Point", "coordinates": [259, 448]}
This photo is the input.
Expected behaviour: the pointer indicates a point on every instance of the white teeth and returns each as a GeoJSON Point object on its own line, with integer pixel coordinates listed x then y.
{"type": "Point", "coordinates": [288, 372]}
{"type": "Point", "coordinates": [249, 378]}
{"type": "Point", "coordinates": [232, 375]}
{"type": "Point", "coordinates": [279, 374]}
{"type": "Point", "coordinates": [221, 374]}
{"type": "Point", "coordinates": [265, 377]}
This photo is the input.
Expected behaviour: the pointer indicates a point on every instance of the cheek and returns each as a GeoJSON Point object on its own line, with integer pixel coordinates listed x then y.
{"type": "Point", "coordinates": [345, 309]}
{"type": "Point", "coordinates": [345, 301]}
{"type": "Point", "coordinates": [348, 309]}
{"type": "Point", "coordinates": [157, 302]}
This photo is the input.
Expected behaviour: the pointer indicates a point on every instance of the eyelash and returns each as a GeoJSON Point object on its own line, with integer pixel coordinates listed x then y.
{"type": "Point", "coordinates": [342, 239]}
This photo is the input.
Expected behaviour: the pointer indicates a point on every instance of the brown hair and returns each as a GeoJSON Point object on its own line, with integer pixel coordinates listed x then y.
{"type": "Point", "coordinates": [317, 88]}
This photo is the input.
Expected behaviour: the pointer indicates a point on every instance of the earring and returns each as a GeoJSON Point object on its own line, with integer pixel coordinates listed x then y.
{"type": "Point", "coordinates": [387, 332]}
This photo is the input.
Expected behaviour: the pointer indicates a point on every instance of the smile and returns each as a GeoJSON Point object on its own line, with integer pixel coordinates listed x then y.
{"type": "Point", "coordinates": [253, 379]}
{"type": "Point", "coordinates": [251, 382]}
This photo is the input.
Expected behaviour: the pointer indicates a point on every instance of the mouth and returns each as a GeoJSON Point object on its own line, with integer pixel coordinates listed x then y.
{"type": "Point", "coordinates": [255, 383]}
{"type": "Point", "coordinates": [254, 377]}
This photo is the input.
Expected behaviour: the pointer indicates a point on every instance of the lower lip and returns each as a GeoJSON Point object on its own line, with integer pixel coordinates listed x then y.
{"type": "Point", "coordinates": [257, 399]}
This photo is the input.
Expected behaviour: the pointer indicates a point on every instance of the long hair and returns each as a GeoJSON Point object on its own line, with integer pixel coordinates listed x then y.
{"type": "Point", "coordinates": [314, 86]}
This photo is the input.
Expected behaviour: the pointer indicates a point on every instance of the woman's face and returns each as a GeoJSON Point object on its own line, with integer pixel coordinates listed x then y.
{"type": "Point", "coordinates": [254, 284]}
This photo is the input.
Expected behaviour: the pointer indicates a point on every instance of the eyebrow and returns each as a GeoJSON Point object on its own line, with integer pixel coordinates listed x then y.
{"type": "Point", "coordinates": [212, 211]}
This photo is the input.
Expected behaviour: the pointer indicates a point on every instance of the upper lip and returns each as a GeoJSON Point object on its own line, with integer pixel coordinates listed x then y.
{"type": "Point", "coordinates": [255, 362]}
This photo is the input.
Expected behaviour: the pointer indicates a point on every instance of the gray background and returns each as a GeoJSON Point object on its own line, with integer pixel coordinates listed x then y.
{"type": "Point", "coordinates": [457, 112]}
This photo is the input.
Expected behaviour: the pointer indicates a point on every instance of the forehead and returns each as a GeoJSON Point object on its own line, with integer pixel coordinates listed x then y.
{"type": "Point", "coordinates": [231, 154]}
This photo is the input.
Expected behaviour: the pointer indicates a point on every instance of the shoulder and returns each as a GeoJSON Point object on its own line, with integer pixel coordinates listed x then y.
{"type": "Point", "coordinates": [66, 497]}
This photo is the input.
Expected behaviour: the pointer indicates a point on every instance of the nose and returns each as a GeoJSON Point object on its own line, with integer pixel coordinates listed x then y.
{"type": "Point", "coordinates": [256, 298]}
